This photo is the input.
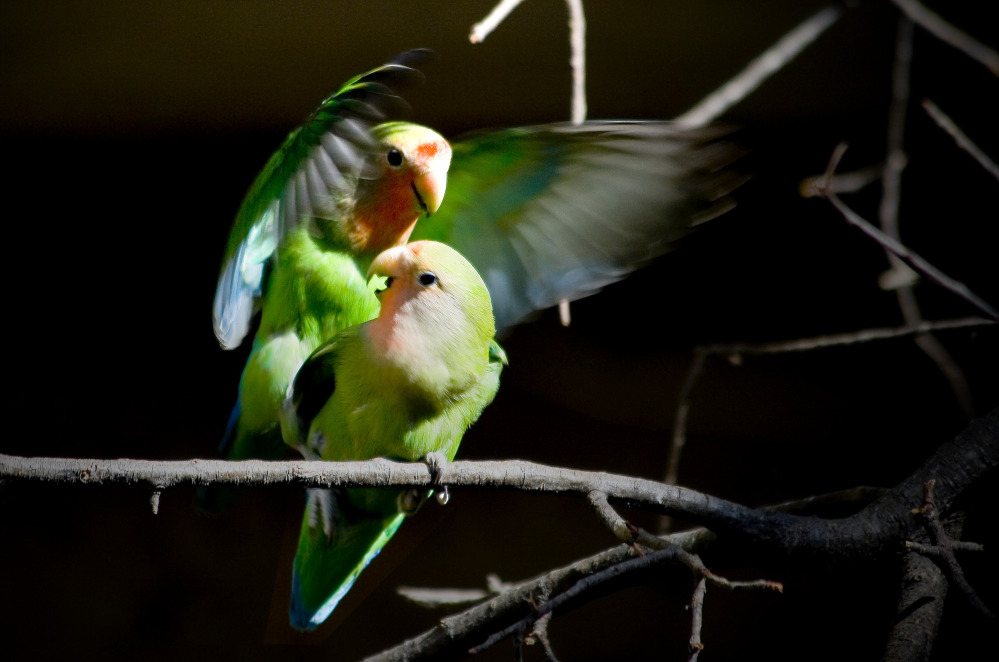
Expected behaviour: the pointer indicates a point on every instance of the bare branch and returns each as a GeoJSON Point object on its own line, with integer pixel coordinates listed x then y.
{"type": "Point", "coordinates": [879, 528]}
{"type": "Point", "coordinates": [954, 466]}
{"type": "Point", "coordinates": [919, 610]}
{"type": "Point", "coordinates": [904, 253]}
{"type": "Point", "coordinates": [847, 182]}
{"type": "Point", "coordinates": [577, 59]}
{"type": "Point", "coordinates": [900, 277]}
{"type": "Point", "coordinates": [760, 69]}
{"type": "Point", "coordinates": [583, 585]}
{"type": "Point", "coordinates": [695, 645]}
{"type": "Point", "coordinates": [945, 551]}
{"type": "Point", "coordinates": [949, 34]}
{"type": "Point", "coordinates": [962, 140]}
{"type": "Point", "coordinates": [895, 159]}
{"type": "Point", "coordinates": [678, 439]}
{"type": "Point", "coordinates": [442, 597]}
{"type": "Point", "coordinates": [627, 532]}
{"type": "Point", "coordinates": [913, 259]}
{"type": "Point", "coordinates": [933, 550]}
{"type": "Point", "coordinates": [483, 28]}
{"type": "Point", "coordinates": [842, 339]}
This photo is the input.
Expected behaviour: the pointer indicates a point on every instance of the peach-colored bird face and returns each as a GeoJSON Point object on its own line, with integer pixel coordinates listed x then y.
{"type": "Point", "coordinates": [433, 302]}
{"type": "Point", "coordinates": [411, 179]}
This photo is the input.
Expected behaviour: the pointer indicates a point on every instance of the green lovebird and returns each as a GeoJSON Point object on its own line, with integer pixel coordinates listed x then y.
{"type": "Point", "coordinates": [544, 213]}
{"type": "Point", "coordinates": [404, 386]}
{"type": "Point", "coordinates": [342, 188]}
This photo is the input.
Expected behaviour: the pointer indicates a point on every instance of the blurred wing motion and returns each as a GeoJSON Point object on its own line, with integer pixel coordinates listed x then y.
{"type": "Point", "coordinates": [403, 385]}
{"type": "Point", "coordinates": [558, 211]}
{"type": "Point", "coordinates": [317, 163]}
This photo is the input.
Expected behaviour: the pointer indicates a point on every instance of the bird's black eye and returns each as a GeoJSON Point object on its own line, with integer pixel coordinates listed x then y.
{"type": "Point", "coordinates": [427, 279]}
{"type": "Point", "coordinates": [388, 282]}
{"type": "Point", "coordinates": [394, 158]}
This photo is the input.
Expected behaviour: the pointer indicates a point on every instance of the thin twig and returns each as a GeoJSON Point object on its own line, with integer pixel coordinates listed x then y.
{"type": "Point", "coordinates": [539, 631]}
{"type": "Point", "coordinates": [895, 160]}
{"type": "Point", "coordinates": [845, 182]}
{"type": "Point", "coordinates": [692, 540]}
{"type": "Point", "coordinates": [842, 339]}
{"type": "Point", "coordinates": [577, 62]}
{"type": "Point", "coordinates": [900, 277]}
{"type": "Point", "coordinates": [577, 59]}
{"type": "Point", "coordinates": [949, 34]}
{"type": "Point", "coordinates": [696, 645]}
{"type": "Point", "coordinates": [962, 140]}
{"type": "Point", "coordinates": [627, 532]}
{"type": "Point", "coordinates": [482, 29]}
{"type": "Point", "coordinates": [781, 347]}
{"type": "Point", "coordinates": [904, 253]}
{"type": "Point", "coordinates": [945, 550]}
{"type": "Point", "coordinates": [577, 589]}
{"type": "Point", "coordinates": [761, 68]}
{"type": "Point", "coordinates": [913, 259]}
{"type": "Point", "coordinates": [919, 609]}
{"type": "Point", "coordinates": [933, 550]}
{"type": "Point", "coordinates": [679, 437]}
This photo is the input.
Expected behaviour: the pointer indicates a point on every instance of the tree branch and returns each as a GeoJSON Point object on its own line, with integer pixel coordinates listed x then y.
{"type": "Point", "coordinates": [903, 252]}
{"type": "Point", "coordinates": [947, 33]}
{"type": "Point", "coordinates": [955, 466]}
{"type": "Point", "coordinates": [881, 527]}
{"type": "Point", "coordinates": [960, 138]}
{"type": "Point", "coordinates": [761, 68]}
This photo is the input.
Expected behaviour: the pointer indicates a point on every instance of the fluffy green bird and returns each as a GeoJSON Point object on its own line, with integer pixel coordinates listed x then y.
{"type": "Point", "coordinates": [404, 385]}
{"type": "Point", "coordinates": [342, 188]}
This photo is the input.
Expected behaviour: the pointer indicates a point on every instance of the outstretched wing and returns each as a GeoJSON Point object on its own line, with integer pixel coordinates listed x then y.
{"type": "Point", "coordinates": [558, 211]}
{"type": "Point", "coordinates": [317, 163]}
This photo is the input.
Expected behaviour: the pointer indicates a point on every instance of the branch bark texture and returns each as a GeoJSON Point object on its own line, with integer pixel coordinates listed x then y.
{"type": "Point", "coordinates": [955, 466]}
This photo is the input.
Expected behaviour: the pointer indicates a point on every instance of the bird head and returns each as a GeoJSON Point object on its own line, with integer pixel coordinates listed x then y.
{"type": "Point", "coordinates": [406, 180]}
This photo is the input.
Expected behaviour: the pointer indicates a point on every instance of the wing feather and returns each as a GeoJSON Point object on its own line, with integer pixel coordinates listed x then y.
{"type": "Point", "coordinates": [559, 211]}
{"type": "Point", "coordinates": [317, 164]}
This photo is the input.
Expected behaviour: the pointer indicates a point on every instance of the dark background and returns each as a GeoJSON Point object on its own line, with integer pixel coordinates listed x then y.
{"type": "Point", "coordinates": [130, 132]}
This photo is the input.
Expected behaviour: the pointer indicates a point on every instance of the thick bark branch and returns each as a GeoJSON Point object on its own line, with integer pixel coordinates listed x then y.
{"type": "Point", "coordinates": [883, 524]}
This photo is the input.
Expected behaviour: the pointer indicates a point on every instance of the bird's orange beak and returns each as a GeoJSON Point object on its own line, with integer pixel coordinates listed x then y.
{"type": "Point", "coordinates": [429, 188]}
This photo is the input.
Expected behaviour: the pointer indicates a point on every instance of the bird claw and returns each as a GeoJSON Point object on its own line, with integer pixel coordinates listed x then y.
{"type": "Point", "coordinates": [436, 462]}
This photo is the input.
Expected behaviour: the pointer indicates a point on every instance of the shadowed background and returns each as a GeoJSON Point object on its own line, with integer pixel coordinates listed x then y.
{"type": "Point", "coordinates": [130, 132]}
